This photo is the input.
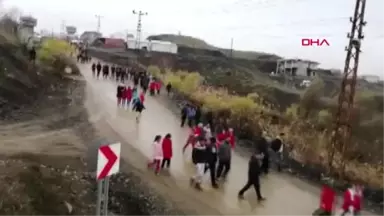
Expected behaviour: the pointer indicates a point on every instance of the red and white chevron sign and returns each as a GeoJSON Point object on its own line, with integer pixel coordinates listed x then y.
{"type": "Point", "coordinates": [108, 160]}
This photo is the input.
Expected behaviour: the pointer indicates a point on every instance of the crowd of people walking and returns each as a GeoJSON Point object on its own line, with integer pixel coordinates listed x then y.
{"type": "Point", "coordinates": [212, 149]}
{"type": "Point", "coordinates": [132, 85]}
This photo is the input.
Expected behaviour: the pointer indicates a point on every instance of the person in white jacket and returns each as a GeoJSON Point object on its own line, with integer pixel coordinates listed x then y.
{"type": "Point", "coordinates": [207, 132]}
{"type": "Point", "coordinates": [157, 155]}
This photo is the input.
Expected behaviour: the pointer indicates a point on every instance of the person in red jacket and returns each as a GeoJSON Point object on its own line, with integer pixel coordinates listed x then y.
{"type": "Point", "coordinates": [158, 87]}
{"type": "Point", "coordinates": [142, 97]}
{"type": "Point", "coordinates": [221, 137]}
{"type": "Point", "coordinates": [152, 88]}
{"type": "Point", "coordinates": [195, 133]}
{"type": "Point", "coordinates": [191, 140]}
{"type": "Point", "coordinates": [231, 138]}
{"type": "Point", "coordinates": [127, 96]}
{"type": "Point", "coordinates": [353, 197]}
{"type": "Point", "coordinates": [198, 130]}
{"type": "Point", "coordinates": [167, 151]}
{"type": "Point", "coordinates": [327, 201]}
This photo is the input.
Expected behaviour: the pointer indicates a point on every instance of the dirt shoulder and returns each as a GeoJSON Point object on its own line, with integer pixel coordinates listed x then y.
{"type": "Point", "coordinates": [41, 164]}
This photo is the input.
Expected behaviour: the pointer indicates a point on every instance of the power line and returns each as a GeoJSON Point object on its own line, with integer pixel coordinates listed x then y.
{"type": "Point", "coordinates": [260, 5]}
{"type": "Point", "coordinates": [315, 22]}
{"type": "Point", "coordinates": [342, 132]}
{"type": "Point", "coordinates": [138, 29]}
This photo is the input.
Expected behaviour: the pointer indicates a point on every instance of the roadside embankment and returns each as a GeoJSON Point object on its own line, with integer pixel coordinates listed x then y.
{"type": "Point", "coordinates": [45, 133]}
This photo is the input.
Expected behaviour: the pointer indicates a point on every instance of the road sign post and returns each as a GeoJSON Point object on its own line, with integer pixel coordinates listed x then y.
{"type": "Point", "coordinates": [108, 163]}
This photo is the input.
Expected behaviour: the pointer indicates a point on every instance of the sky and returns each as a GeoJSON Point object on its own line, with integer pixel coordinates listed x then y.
{"type": "Point", "coordinates": [271, 26]}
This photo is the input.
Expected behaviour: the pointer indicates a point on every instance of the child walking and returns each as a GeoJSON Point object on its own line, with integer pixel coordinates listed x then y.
{"type": "Point", "coordinates": [167, 151]}
{"type": "Point", "coordinates": [157, 154]}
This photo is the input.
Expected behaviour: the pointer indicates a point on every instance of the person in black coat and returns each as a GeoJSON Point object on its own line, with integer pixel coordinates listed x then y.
{"type": "Point", "coordinates": [184, 111]}
{"type": "Point", "coordinates": [113, 70]}
{"type": "Point", "coordinates": [119, 95]}
{"type": "Point", "coordinates": [198, 114]}
{"type": "Point", "coordinates": [122, 75]}
{"type": "Point", "coordinates": [145, 84]}
{"type": "Point", "coordinates": [98, 69]}
{"type": "Point", "coordinates": [253, 177]}
{"type": "Point", "coordinates": [211, 160]}
{"type": "Point", "coordinates": [209, 119]}
{"type": "Point", "coordinates": [105, 71]}
{"type": "Point", "coordinates": [32, 55]}
{"type": "Point", "coordinates": [277, 147]}
{"type": "Point", "coordinates": [168, 88]}
{"type": "Point", "coordinates": [93, 69]}
{"type": "Point", "coordinates": [136, 80]}
{"type": "Point", "coordinates": [263, 148]}
{"type": "Point", "coordinates": [118, 73]}
{"type": "Point", "coordinates": [199, 158]}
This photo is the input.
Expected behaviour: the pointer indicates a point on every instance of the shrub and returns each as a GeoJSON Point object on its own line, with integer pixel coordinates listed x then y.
{"type": "Point", "coordinates": [55, 53]}
{"type": "Point", "coordinates": [292, 112]}
{"type": "Point", "coordinates": [250, 114]}
{"type": "Point", "coordinates": [155, 71]}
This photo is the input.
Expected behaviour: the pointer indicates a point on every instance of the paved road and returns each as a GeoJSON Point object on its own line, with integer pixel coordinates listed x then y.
{"type": "Point", "coordinates": [285, 194]}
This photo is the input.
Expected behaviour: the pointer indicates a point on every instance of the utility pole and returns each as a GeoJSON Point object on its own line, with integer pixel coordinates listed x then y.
{"type": "Point", "coordinates": [341, 136]}
{"type": "Point", "coordinates": [138, 29]}
{"type": "Point", "coordinates": [62, 27]}
{"type": "Point", "coordinates": [98, 17]}
{"type": "Point", "coordinates": [231, 50]}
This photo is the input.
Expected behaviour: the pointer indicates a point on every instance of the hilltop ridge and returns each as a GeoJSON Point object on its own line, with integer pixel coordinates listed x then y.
{"type": "Point", "coordinates": [193, 42]}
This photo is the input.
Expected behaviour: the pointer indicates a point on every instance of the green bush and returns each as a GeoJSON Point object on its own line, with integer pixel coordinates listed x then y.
{"type": "Point", "coordinates": [55, 53]}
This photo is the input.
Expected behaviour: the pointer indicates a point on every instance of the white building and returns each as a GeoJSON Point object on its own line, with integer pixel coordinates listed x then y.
{"type": "Point", "coordinates": [296, 67]}
{"type": "Point", "coordinates": [152, 45]}
{"type": "Point", "coordinates": [371, 78]}
{"type": "Point", "coordinates": [26, 30]}
{"type": "Point", "coordinates": [336, 72]}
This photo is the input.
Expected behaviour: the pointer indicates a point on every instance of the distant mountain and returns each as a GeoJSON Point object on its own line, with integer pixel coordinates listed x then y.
{"type": "Point", "coordinates": [183, 40]}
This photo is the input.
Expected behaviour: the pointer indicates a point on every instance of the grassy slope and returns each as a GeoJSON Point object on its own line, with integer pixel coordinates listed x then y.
{"type": "Point", "coordinates": [247, 75]}
{"type": "Point", "coordinates": [198, 43]}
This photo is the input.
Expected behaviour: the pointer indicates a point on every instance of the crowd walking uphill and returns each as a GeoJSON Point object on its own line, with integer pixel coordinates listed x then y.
{"type": "Point", "coordinates": [211, 149]}
{"type": "Point", "coordinates": [127, 95]}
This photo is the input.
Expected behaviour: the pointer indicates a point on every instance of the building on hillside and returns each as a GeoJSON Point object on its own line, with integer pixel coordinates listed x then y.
{"type": "Point", "coordinates": [152, 45]}
{"type": "Point", "coordinates": [371, 78]}
{"type": "Point", "coordinates": [132, 44]}
{"type": "Point", "coordinates": [26, 32]}
{"type": "Point", "coordinates": [336, 72]}
{"type": "Point", "coordinates": [296, 67]}
{"type": "Point", "coordinates": [109, 43]}
{"type": "Point", "coordinates": [89, 36]}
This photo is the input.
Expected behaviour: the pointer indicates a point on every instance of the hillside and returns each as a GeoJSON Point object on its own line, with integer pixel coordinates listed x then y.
{"type": "Point", "coordinates": [183, 40]}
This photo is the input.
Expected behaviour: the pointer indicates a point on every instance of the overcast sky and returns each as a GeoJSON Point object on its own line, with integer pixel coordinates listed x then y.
{"type": "Point", "coordinates": [275, 26]}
